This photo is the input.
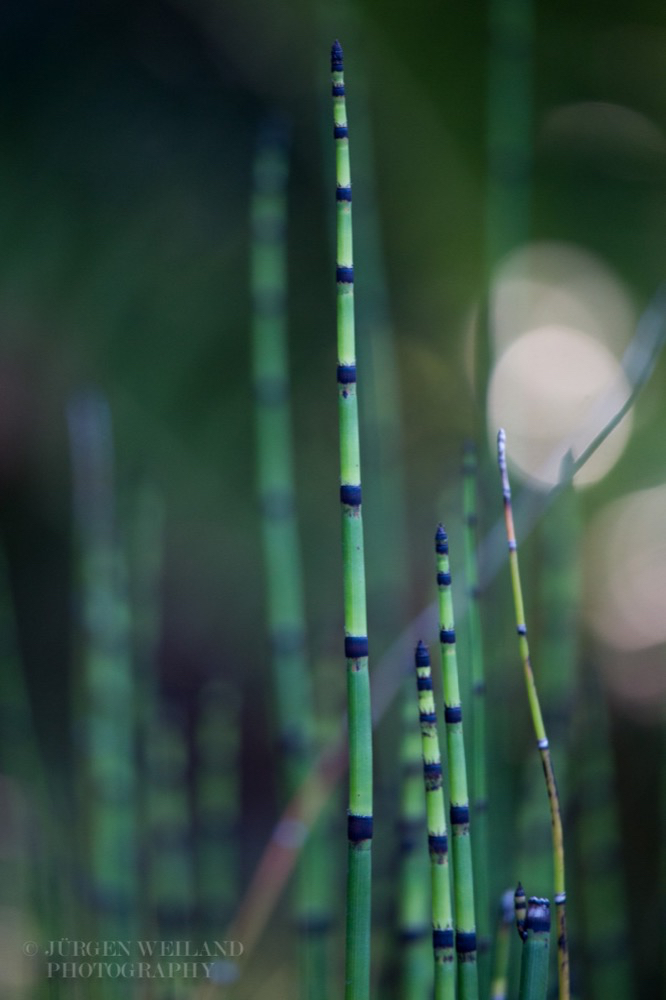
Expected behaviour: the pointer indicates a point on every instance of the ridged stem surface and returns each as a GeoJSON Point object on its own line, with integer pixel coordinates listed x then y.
{"type": "Point", "coordinates": [463, 880]}
{"type": "Point", "coordinates": [359, 830]}
{"type": "Point", "coordinates": [438, 844]}
{"type": "Point", "coordinates": [536, 944]}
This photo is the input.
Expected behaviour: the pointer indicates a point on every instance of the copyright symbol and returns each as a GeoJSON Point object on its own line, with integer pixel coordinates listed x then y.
{"type": "Point", "coordinates": [30, 948]}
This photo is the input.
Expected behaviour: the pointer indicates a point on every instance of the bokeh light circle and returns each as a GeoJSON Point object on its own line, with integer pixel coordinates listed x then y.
{"type": "Point", "coordinates": [553, 389]}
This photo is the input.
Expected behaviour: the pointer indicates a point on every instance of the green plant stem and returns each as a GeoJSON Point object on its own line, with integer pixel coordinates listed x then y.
{"type": "Point", "coordinates": [463, 880]}
{"type": "Point", "coordinates": [539, 728]}
{"type": "Point", "coordinates": [536, 944]}
{"type": "Point", "coordinates": [438, 845]}
{"type": "Point", "coordinates": [108, 704]}
{"type": "Point", "coordinates": [499, 984]}
{"type": "Point", "coordinates": [359, 830]}
{"type": "Point", "coordinates": [479, 777]}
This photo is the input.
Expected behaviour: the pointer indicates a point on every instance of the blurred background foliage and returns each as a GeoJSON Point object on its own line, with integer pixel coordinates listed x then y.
{"type": "Point", "coordinates": [125, 173]}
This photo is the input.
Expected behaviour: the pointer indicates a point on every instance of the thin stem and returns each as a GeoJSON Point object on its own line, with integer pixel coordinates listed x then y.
{"type": "Point", "coordinates": [539, 728]}
{"type": "Point", "coordinates": [536, 944]}
{"type": "Point", "coordinates": [359, 828]}
{"type": "Point", "coordinates": [500, 980]}
{"type": "Point", "coordinates": [463, 881]}
{"type": "Point", "coordinates": [438, 845]}
{"type": "Point", "coordinates": [479, 778]}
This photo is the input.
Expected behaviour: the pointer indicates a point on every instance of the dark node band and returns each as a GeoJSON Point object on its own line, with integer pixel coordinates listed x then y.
{"type": "Point", "coordinates": [408, 828]}
{"type": "Point", "coordinates": [453, 713]}
{"type": "Point", "coordinates": [428, 718]}
{"type": "Point", "coordinates": [293, 742]}
{"type": "Point", "coordinates": [459, 815]}
{"type": "Point", "coordinates": [270, 391]}
{"type": "Point", "coordinates": [444, 579]}
{"type": "Point", "coordinates": [447, 636]}
{"type": "Point", "coordinates": [438, 845]}
{"type": "Point", "coordinates": [424, 683]}
{"type": "Point", "coordinates": [521, 629]}
{"type": "Point", "coordinates": [314, 925]}
{"type": "Point", "coordinates": [277, 504]}
{"type": "Point", "coordinates": [344, 275]}
{"type": "Point", "coordinates": [474, 593]}
{"type": "Point", "coordinates": [409, 934]}
{"type": "Point", "coordinates": [407, 844]}
{"type": "Point", "coordinates": [422, 655]}
{"type": "Point", "coordinates": [350, 495]}
{"type": "Point", "coordinates": [441, 540]}
{"type": "Point", "coordinates": [359, 828]}
{"type": "Point", "coordinates": [287, 640]}
{"type": "Point", "coordinates": [538, 915]}
{"type": "Point", "coordinates": [343, 194]}
{"type": "Point", "coordinates": [471, 520]}
{"type": "Point", "coordinates": [338, 90]}
{"type": "Point", "coordinates": [346, 374]}
{"type": "Point", "coordinates": [432, 769]}
{"type": "Point", "coordinates": [340, 132]}
{"type": "Point", "coordinates": [356, 646]}
{"type": "Point", "coordinates": [465, 942]}
{"type": "Point", "coordinates": [336, 57]}
{"type": "Point", "coordinates": [269, 302]}
{"type": "Point", "coordinates": [479, 687]}
{"type": "Point", "coordinates": [442, 939]}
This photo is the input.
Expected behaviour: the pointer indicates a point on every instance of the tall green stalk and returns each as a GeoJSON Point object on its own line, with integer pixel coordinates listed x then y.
{"type": "Point", "coordinates": [291, 668]}
{"type": "Point", "coordinates": [539, 728]}
{"type": "Point", "coordinates": [438, 844]}
{"type": "Point", "coordinates": [499, 984]}
{"type": "Point", "coordinates": [275, 464]}
{"type": "Point", "coordinates": [359, 829]}
{"type": "Point", "coordinates": [415, 961]}
{"type": "Point", "coordinates": [217, 804]}
{"type": "Point", "coordinates": [536, 944]}
{"type": "Point", "coordinates": [463, 880]}
{"type": "Point", "coordinates": [479, 776]}
{"type": "Point", "coordinates": [108, 695]}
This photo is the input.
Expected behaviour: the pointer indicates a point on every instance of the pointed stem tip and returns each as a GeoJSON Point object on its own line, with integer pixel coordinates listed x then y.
{"type": "Point", "coordinates": [422, 654]}
{"type": "Point", "coordinates": [336, 57]}
{"type": "Point", "coordinates": [441, 540]}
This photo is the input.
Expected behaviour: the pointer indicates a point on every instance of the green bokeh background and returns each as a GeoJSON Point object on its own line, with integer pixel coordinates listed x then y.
{"type": "Point", "coordinates": [125, 166]}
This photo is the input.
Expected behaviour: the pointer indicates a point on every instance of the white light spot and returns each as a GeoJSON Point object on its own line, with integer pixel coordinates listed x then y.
{"type": "Point", "coordinates": [553, 390]}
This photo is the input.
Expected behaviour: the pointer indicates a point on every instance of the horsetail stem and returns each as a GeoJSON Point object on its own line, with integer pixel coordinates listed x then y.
{"type": "Point", "coordinates": [463, 881]}
{"type": "Point", "coordinates": [500, 979]}
{"type": "Point", "coordinates": [359, 823]}
{"type": "Point", "coordinates": [520, 910]}
{"type": "Point", "coordinates": [479, 779]}
{"type": "Point", "coordinates": [275, 465]}
{"type": "Point", "coordinates": [536, 944]}
{"type": "Point", "coordinates": [539, 728]}
{"type": "Point", "coordinates": [438, 845]}
{"type": "Point", "coordinates": [412, 922]}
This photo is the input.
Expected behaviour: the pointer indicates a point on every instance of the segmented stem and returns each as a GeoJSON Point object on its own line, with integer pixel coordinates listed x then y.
{"type": "Point", "coordinates": [275, 464]}
{"type": "Point", "coordinates": [479, 777]}
{"type": "Point", "coordinates": [536, 944]}
{"type": "Point", "coordinates": [359, 829]}
{"type": "Point", "coordinates": [438, 845]}
{"type": "Point", "coordinates": [500, 980]}
{"type": "Point", "coordinates": [539, 728]}
{"type": "Point", "coordinates": [463, 881]}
